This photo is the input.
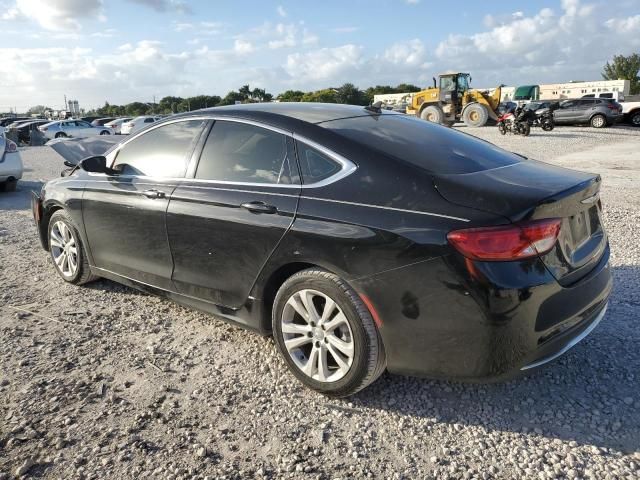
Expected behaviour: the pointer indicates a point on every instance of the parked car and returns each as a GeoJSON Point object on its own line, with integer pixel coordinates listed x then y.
{"type": "Point", "coordinates": [89, 119]}
{"type": "Point", "coordinates": [361, 239]}
{"type": "Point", "coordinates": [10, 165]}
{"type": "Point", "coordinates": [597, 112]}
{"type": "Point", "coordinates": [116, 124]}
{"type": "Point", "coordinates": [72, 128]}
{"type": "Point", "coordinates": [99, 122]}
{"type": "Point", "coordinates": [8, 120]}
{"type": "Point", "coordinates": [137, 123]}
{"type": "Point", "coordinates": [24, 129]}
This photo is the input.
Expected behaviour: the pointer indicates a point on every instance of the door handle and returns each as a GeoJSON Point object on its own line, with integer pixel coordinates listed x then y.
{"type": "Point", "coordinates": [153, 193]}
{"type": "Point", "coordinates": [259, 207]}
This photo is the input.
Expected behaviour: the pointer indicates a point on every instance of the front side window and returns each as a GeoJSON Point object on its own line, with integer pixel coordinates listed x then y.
{"type": "Point", "coordinates": [161, 152]}
{"type": "Point", "coordinates": [239, 152]}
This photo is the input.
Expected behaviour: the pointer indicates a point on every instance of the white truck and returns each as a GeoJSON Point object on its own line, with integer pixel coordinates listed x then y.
{"type": "Point", "coordinates": [631, 110]}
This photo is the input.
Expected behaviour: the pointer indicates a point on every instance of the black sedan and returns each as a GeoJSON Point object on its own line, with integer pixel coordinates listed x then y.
{"type": "Point", "coordinates": [363, 240]}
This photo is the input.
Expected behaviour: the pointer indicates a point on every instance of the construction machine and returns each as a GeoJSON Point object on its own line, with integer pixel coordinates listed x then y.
{"type": "Point", "coordinates": [453, 100]}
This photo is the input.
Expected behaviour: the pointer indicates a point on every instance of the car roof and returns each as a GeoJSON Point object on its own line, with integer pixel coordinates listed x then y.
{"type": "Point", "coordinates": [305, 111]}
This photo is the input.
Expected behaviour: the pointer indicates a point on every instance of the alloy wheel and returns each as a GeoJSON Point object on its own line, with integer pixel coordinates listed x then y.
{"type": "Point", "coordinates": [598, 121]}
{"type": "Point", "coordinates": [317, 335]}
{"type": "Point", "coordinates": [64, 249]}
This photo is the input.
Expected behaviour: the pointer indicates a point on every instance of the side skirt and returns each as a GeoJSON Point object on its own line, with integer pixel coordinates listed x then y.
{"type": "Point", "coordinates": [247, 317]}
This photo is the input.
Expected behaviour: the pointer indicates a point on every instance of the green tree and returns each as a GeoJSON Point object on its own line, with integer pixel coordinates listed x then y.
{"type": "Point", "coordinates": [328, 95]}
{"type": "Point", "coordinates": [261, 95]}
{"type": "Point", "coordinates": [350, 94]}
{"type": "Point", "coordinates": [291, 96]}
{"type": "Point", "coordinates": [169, 104]}
{"type": "Point", "coordinates": [245, 92]}
{"type": "Point", "coordinates": [232, 97]}
{"type": "Point", "coordinates": [136, 108]}
{"type": "Point", "coordinates": [624, 67]}
{"type": "Point", "coordinates": [37, 110]}
{"type": "Point", "coordinates": [407, 88]}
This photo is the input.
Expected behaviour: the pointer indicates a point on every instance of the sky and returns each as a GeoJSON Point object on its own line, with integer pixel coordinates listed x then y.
{"type": "Point", "coordinates": [134, 50]}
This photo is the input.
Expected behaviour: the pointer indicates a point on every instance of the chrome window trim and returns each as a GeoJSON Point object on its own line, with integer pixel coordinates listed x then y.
{"type": "Point", "coordinates": [347, 167]}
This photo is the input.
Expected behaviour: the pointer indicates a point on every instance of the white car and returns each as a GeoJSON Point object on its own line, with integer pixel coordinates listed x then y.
{"type": "Point", "coordinates": [73, 128]}
{"type": "Point", "coordinates": [116, 124]}
{"type": "Point", "coordinates": [10, 165]}
{"type": "Point", "coordinates": [137, 124]}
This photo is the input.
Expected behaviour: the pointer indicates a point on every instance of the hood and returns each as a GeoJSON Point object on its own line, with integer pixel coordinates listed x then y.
{"type": "Point", "coordinates": [76, 149]}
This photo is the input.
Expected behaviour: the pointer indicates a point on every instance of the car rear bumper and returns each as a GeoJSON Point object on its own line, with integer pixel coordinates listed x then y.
{"type": "Point", "coordinates": [446, 319]}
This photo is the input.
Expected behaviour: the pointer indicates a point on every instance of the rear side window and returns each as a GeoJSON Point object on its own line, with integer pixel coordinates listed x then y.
{"type": "Point", "coordinates": [161, 152]}
{"type": "Point", "coordinates": [314, 165]}
{"type": "Point", "coordinates": [239, 152]}
{"type": "Point", "coordinates": [429, 146]}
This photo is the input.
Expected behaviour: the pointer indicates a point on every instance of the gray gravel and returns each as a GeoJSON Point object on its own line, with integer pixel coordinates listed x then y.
{"type": "Point", "coordinates": [107, 382]}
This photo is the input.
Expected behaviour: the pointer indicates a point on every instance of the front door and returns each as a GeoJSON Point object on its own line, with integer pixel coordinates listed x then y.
{"type": "Point", "coordinates": [125, 214]}
{"type": "Point", "coordinates": [224, 224]}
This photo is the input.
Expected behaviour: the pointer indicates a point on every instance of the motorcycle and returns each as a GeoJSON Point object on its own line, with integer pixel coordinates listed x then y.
{"type": "Point", "coordinates": [514, 119]}
{"type": "Point", "coordinates": [541, 116]}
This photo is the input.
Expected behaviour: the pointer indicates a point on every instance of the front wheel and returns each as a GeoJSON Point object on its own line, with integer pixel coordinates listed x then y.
{"type": "Point", "coordinates": [105, 132]}
{"type": "Point", "coordinates": [432, 113]}
{"type": "Point", "coordinates": [66, 249]}
{"type": "Point", "coordinates": [502, 129]}
{"type": "Point", "coordinates": [525, 129]}
{"type": "Point", "coordinates": [326, 334]}
{"type": "Point", "coordinates": [548, 125]}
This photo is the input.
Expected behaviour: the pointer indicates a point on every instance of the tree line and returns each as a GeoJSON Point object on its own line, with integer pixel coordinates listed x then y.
{"type": "Point", "coordinates": [347, 93]}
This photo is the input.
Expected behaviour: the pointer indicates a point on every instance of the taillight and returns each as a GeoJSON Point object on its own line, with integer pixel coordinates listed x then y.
{"type": "Point", "coordinates": [509, 242]}
{"type": "Point", "coordinates": [11, 147]}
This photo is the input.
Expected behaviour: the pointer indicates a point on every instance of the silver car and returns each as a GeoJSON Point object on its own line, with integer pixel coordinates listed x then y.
{"type": "Point", "coordinates": [73, 128]}
{"type": "Point", "coordinates": [597, 112]}
{"type": "Point", "coordinates": [10, 165]}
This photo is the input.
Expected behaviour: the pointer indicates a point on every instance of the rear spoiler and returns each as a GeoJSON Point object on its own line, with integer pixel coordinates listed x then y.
{"type": "Point", "coordinates": [73, 150]}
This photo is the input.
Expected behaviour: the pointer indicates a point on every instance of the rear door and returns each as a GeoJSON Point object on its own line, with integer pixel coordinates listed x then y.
{"type": "Point", "coordinates": [224, 223]}
{"type": "Point", "coordinates": [585, 109]}
{"type": "Point", "coordinates": [125, 214]}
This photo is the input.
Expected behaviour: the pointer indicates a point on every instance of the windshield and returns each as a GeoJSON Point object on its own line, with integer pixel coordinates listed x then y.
{"type": "Point", "coordinates": [435, 148]}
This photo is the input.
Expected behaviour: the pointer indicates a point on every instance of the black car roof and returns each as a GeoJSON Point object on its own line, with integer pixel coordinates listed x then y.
{"type": "Point", "coordinates": [306, 112]}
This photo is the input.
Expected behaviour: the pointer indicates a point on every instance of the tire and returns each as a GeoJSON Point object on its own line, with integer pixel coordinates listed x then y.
{"type": "Point", "coordinates": [598, 121]}
{"type": "Point", "coordinates": [9, 185]}
{"type": "Point", "coordinates": [634, 119]}
{"type": "Point", "coordinates": [354, 329]}
{"type": "Point", "coordinates": [547, 126]}
{"type": "Point", "coordinates": [62, 231]}
{"type": "Point", "coordinates": [475, 115]}
{"type": "Point", "coordinates": [104, 132]}
{"type": "Point", "coordinates": [525, 129]}
{"type": "Point", "coordinates": [432, 113]}
{"type": "Point", "coordinates": [502, 129]}
{"type": "Point", "coordinates": [61, 135]}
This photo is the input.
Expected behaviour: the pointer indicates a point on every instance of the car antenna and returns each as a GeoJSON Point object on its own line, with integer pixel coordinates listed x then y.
{"type": "Point", "coordinates": [374, 107]}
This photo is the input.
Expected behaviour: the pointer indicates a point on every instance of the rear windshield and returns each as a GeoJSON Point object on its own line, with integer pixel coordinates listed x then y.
{"type": "Point", "coordinates": [435, 148]}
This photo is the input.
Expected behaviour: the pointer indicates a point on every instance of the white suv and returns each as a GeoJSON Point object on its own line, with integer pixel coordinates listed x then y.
{"type": "Point", "coordinates": [10, 165]}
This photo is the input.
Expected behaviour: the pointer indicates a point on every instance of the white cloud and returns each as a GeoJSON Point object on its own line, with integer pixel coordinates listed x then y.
{"type": "Point", "coordinates": [410, 53]}
{"type": "Point", "coordinates": [179, 6]}
{"type": "Point", "coordinates": [59, 15]}
{"type": "Point", "coordinates": [281, 11]}
{"type": "Point", "coordinates": [325, 64]}
{"type": "Point", "coordinates": [349, 29]}
{"type": "Point", "coordinates": [543, 47]}
{"type": "Point", "coordinates": [242, 47]}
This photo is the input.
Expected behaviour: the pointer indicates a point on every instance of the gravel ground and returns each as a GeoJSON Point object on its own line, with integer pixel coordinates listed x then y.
{"type": "Point", "coordinates": [107, 382]}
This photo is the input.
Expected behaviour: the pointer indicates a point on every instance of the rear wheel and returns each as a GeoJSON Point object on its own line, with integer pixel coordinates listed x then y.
{"type": "Point", "coordinates": [326, 334]}
{"type": "Point", "coordinates": [475, 115]}
{"type": "Point", "coordinates": [66, 249]}
{"type": "Point", "coordinates": [105, 132]}
{"type": "Point", "coordinates": [634, 119]}
{"type": "Point", "coordinates": [432, 113]}
{"type": "Point", "coordinates": [598, 121]}
{"type": "Point", "coordinates": [61, 135]}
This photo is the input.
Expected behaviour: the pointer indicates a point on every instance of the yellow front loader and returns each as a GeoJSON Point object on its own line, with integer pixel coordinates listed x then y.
{"type": "Point", "coordinates": [453, 101]}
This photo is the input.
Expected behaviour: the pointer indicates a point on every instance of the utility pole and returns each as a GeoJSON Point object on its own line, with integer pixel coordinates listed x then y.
{"type": "Point", "coordinates": [65, 102]}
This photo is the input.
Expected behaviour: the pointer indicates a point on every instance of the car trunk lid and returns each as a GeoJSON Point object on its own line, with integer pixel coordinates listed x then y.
{"type": "Point", "coordinates": [531, 190]}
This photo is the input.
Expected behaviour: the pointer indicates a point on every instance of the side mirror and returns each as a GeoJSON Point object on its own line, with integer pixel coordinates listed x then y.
{"type": "Point", "coordinates": [70, 164]}
{"type": "Point", "coordinates": [97, 164]}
